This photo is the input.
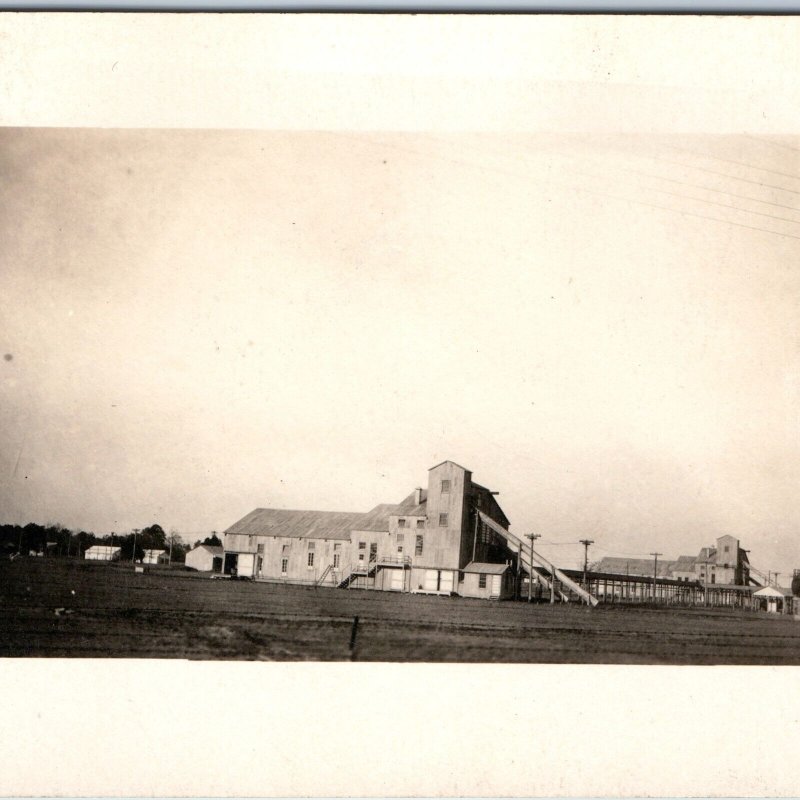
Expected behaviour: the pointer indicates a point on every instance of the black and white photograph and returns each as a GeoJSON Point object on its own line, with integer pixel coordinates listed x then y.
{"type": "Point", "coordinates": [416, 362]}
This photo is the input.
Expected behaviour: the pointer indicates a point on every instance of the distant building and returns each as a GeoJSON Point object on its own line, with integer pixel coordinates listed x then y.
{"type": "Point", "coordinates": [642, 567]}
{"type": "Point", "coordinates": [205, 558]}
{"type": "Point", "coordinates": [726, 564]}
{"type": "Point", "coordinates": [155, 557]}
{"type": "Point", "coordinates": [429, 542]}
{"type": "Point", "coordinates": [102, 552]}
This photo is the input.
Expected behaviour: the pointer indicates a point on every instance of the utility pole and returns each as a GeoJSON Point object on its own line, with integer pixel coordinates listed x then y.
{"type": "Point", "coordinates": [776, 578]}
{"type": "Point", "coordinates": [133, 554]}
{"type": "Point", "coordinates": [655, 572]}
{"type": "Point", "coordinates": [533, 537]}
{"type": "Point", "coordinates": [586, 543]}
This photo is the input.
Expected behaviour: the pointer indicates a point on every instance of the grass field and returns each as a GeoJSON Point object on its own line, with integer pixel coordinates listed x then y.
{"type": "Point", "coordinates": [178, 614]}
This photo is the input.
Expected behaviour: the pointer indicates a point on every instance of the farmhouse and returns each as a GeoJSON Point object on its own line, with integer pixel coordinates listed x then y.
{"type": "Point", "coordinates": [102, 552]}
{"type": "Point", "coordinates": [205, 558]}
{"type": "Point", "coordinates": [435, 541]}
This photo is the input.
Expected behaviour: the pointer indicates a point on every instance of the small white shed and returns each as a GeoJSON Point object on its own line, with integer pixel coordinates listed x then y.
{"type": "Point", "coordinates": [773, 599]}
{"type": "Point", "coordinates": [205, 558]}
{"type": "Point", "coordinates": [155, 557]}
{"type": "Point", "coordinates": [103, 552]}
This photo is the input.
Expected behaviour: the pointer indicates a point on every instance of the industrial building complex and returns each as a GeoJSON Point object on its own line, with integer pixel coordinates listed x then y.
{"type": "Point", "coordinates": [453, 538]}
{"type": "Point", "coordinates": [434, 541]}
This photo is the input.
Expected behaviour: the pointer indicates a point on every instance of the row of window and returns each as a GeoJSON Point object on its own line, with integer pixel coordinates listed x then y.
{"type": "Point", "coordinates": [309, 562]}
{"type": "Point", "coordinates": [401, 523]}
{"type": "Point", "coordinates": [362, 548]}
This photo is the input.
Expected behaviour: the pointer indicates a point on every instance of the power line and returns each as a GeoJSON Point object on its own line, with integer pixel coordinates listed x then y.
{"type": "Point", "coordinates": [698, 216]}
{"type": "Point", "coordinates": [735, 208]}
{"type": "Point", "coordinates": [518, 176]}
{"type": "Point", "coordinates": [700, 186]}
{"type": "Point", "coordinates": [725, 175]}
{"type": "Point", "coordinates": [767, 140]}
{"type": "Point", "coordinates": [732, 161]}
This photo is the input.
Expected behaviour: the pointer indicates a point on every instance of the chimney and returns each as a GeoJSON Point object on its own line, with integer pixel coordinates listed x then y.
{"type": "Point", "coordinates": [417, 495]}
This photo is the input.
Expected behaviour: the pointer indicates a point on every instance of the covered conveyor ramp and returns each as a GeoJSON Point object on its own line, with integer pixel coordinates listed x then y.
{"type": "Point", "coordinates": [533, 563]}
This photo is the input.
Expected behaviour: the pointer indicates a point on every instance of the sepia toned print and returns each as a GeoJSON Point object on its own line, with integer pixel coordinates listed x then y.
{"type": "Point", "coordinates": [265, 274]}
{"type": "Point", "coordinates": [303, 331]}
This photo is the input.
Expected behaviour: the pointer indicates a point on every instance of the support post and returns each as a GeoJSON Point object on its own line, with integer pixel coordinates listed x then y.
{"type": "Point", "coordinates": [655, 573]}
{"type": "Point", "coordinates": [586, 543]}
{"type": "Point", "coordinates": [533, 537]}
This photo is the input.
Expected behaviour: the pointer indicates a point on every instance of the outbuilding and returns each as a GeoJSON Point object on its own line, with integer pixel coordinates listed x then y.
{"type": "Point", "coordinates": [205, 558]}
{"type": "Point", "coordinates": [773, 599]}
{"type": "Point", "coordinates": [490, 581]}
{"type": "Point", "coordinates": [103, 552]}
{"type": "Point", "coordinates": [155, 557]}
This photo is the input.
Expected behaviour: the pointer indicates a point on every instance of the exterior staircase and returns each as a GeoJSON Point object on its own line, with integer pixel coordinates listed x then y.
{"type": "Point", "coordinates": [360, 571]}
{"type": "Point", "coordinates": [535, 565]}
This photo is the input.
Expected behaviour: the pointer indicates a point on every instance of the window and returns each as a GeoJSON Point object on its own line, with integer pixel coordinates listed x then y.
{"type": "Point", "coordinates": [362, 545]}
{"type": "Point", "coordinates": [400, 538]}
{"type": "Point", "coordinates": [311, 559]}
{"type": "Point", "coordinates": [336, 557]}
{"type": "Point", "coordinates": [401, 523]}
{"type": "Point", "coordinates": [442, 520]}
{"type": "Point", "coordinates": [445, 487]}
{"type": "Point", "coordinates": [420, 523]}
{"type": "Point", "coordinates": [400, 549]}
{"type": "Point", "coordinates": [482, 581]}
{"type": "Point", "coordinates": [285, 548]}
{"type": "Point", "coordinates": [418, 548]}
{"type": "Point", "coordinates": [311, 545]}
{"type": "Point", "coordinates": [337, 546]}
{"type": "Point", "coordinates": [373, 551]}
{"type": "Point", "coordinates": [260, 549]}
{"type": "Point", "coordinates": [713, 579]}
{"type": "Point", "coordinates": [284, 565]}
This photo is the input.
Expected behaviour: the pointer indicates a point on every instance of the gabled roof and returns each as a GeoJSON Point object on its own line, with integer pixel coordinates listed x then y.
{"type": "Point", "coordinates": [484, 568]}
{"type": "Point", "coordinates": [773, 591]}
{"type": "Point", "coordinates": [447, 461]}
{"type": "Point", "coordinates": [632, 566]}
{"type": "Point", "coordinates": [298, 524]}
{"type": "Point", "coordinates": [411, 500]}
{"type": "Point", "coordinates": [377, 519]}
{"type": "Point", "coordinates": [707, 554]}
{"type": "Point", "coordinates": [212, 548]}
{"type": "Point", "coordinates": [684, 564]}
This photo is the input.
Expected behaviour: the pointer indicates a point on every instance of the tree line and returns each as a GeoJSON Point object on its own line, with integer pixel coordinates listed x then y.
{"type": "Point", "coordinates": [57, 540]}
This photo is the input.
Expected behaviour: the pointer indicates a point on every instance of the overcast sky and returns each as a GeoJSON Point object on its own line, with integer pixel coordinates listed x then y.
{"type": "Point", "coordinates": [603, 329]}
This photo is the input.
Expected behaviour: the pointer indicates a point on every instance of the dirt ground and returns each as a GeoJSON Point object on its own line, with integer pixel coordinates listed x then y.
{"type": "Point", "coordinates": [170, 613]}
